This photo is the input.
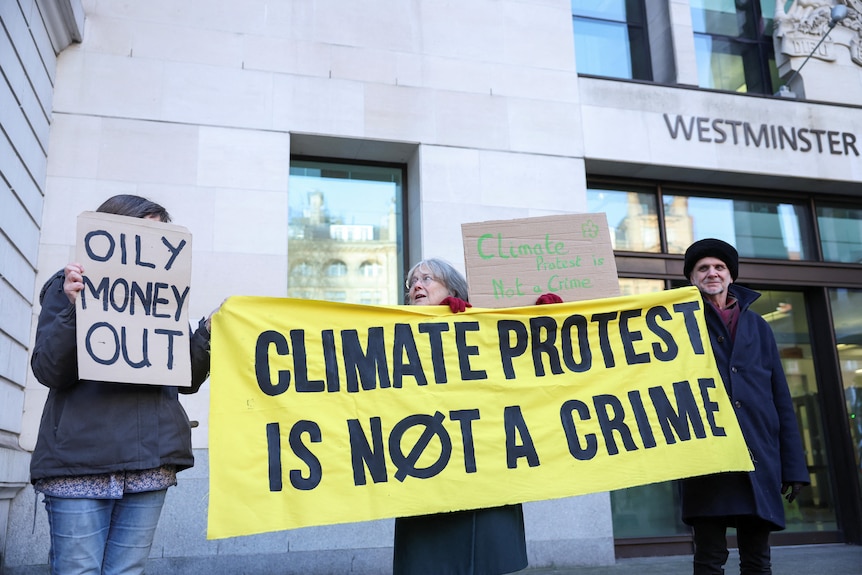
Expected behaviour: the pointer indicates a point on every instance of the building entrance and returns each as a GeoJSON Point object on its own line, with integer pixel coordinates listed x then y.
{"type": "Point", "coordinates": [647, 518]}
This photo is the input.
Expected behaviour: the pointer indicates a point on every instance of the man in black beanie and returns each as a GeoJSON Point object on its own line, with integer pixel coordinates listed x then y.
{"type": "Point", "coordinates": [750, 502]}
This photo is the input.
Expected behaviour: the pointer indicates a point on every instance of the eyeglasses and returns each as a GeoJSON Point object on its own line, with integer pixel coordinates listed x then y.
{"type": "Point", "coordinates": [424, 280]}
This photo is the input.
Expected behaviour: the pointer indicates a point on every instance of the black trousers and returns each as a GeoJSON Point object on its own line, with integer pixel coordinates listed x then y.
{"type": "Point", "coordinates": [710, 545]}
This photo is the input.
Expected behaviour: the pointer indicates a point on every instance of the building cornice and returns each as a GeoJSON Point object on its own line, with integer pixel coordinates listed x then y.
{"type": "Point", "coordinates": [64, 20]}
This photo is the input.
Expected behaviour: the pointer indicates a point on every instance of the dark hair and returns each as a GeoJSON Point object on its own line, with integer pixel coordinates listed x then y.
{"type": "Point", "coordinates": [133, 206]}
{"type": "Point", "coordinates": [444, 272]}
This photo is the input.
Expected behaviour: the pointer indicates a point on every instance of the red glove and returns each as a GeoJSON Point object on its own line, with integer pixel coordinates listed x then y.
{"type": "Point", "coordinates": [455, 304]}
{"type": "Point", "coordinates": [549, 298]}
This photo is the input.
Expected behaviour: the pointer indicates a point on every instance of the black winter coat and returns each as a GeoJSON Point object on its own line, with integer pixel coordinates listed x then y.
{"type": "Point", "coordinates": [754, 379]}
{"type": "Point", "coordinates": [487, 541]}
{"type": "Point", "coordinates": [91, 427]}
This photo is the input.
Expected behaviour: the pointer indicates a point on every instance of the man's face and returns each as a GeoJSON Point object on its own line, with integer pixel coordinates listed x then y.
{"type": "Point", "coordinates": [711, 276]}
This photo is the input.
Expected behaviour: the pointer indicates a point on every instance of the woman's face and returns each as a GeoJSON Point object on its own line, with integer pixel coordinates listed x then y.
{"type": "Point", "coordinates": [425, 289]}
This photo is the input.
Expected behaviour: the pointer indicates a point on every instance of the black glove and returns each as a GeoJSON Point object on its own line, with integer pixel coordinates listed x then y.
{"type": "Point", "coordinates": [791, 490]}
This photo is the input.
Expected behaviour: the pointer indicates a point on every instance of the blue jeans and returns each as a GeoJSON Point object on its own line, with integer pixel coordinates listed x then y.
{"type": "Point", "coordinates": [103, 536]}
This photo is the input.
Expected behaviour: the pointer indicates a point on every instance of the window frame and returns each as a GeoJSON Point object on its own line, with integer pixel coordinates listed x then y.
{"type": "Point", "coordinates": [639, 56]}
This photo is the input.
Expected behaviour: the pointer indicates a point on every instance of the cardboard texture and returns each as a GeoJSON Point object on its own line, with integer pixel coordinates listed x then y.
{"type": "Point", "coordinates": [512, 262]}
{"type": "Point", "coordinates": [132, 315]}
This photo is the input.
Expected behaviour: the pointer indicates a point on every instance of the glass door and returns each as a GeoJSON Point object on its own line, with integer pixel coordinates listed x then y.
{"type": "Point", "coordinates": [650, 514]}
{"type": "Point", "coordinates": [785, 311]}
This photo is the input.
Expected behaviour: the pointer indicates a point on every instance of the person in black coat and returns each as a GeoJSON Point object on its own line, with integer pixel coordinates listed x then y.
{"type": "Point", "coordinates": [488, 541]}
{"type": "Point", "coordinates": [106, 452]}
{"type": "Point", "coordinates": [747, 358]}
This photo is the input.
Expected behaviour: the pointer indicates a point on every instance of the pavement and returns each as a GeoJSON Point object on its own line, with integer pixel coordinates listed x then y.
{"type": "Point", "coordinates": [837, 559]}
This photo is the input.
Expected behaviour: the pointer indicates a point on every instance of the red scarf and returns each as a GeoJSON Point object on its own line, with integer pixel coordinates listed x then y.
{"type": "Point", "coordinates": [730, 317]}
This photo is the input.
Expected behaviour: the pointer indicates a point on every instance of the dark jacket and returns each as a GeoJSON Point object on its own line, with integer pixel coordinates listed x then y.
{"type": "Point", "coordinates": [478, 542]}
{"type": "Point", "coordinates": [754, 378]}
{"type": "Point", "coordinates": [91, 427]}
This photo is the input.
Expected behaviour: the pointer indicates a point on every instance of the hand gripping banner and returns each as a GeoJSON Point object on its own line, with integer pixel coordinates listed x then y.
{"type": "Point", "coordinates": [325, 413]}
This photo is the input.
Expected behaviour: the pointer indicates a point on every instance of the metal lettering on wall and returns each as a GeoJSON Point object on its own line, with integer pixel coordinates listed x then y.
{"type": "Point", "coordinates": [767, 136]}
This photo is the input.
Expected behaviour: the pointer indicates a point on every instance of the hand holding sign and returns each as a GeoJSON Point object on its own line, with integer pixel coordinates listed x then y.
{"type": "Point", "coordinates": [74, 282]}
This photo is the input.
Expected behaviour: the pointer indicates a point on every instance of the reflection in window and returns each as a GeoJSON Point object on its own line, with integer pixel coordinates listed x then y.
{"type": "Point", "coordinates": [646, 510]}
{"type": "Point", "coordinates": [335, 295]}
{"type": "Point", "coordinates": [757, 228]}
{"type": "Point", "coordinates": [370, 269]}
{"type": "Point", "coordinates": [336, 269]}
{"type": "Point", "coordinates": [847, 318]}
{"type": "Point", "coordinates": [344, 231]}
{"type": "Point", "coordinates": [302, 269]}
{"type": "Point", "coordinates": [638, 286]}
{"type": "Point", "coordinates": [632, 218]}
{"type": "Point", "coordinates": [369, 298]}
{"type": "Point", "coordinates": [784, 311]}
{"type": "Point", "coordinates": [733, 45]}
{"type": "Point", "coordinates": [611, 38]}
{"type": "Point", "coordinates": [840, 233]}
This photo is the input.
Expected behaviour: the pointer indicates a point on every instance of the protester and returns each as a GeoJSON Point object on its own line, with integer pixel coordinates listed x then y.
{"type": "Point", "coordinates": [475, 542]}
{"type": "Point", "coordinates": [106, 451]}
{"type": "Point", "coordinates": [747, 358]}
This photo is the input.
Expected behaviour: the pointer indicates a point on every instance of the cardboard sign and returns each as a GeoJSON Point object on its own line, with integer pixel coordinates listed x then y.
{"type": "Point", "coordinates": [132, 315]}
{"type": "Point", "coordinates": [512, 262]}
{"type": "Point", "coordinates": [324, 413]}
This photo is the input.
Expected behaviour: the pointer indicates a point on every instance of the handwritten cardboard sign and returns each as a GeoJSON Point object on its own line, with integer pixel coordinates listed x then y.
{"type": "Point", "coordinates": [512, 262]}
{"type": "Point", "coordinates": [132, 315]}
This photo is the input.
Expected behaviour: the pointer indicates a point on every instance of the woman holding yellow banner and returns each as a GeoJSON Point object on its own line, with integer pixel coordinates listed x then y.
{"type": "Point", "coordinates": [473, 542]}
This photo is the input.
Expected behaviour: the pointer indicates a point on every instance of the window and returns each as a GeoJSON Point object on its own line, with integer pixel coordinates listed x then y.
{"type": "Point", "coordinates": [336, 269]}
{"type": "Point", "coordinates": [370, 269]}
{"type": "Point", "coordinates": [847, 320]}
{"type": "Point", "coordinates": [840, 233]}
{"type": "Point", "coordinates": [344, 232]}
{"type": "Point", "coordinates": [733, 45]}
{"type": "Point", "coordinates": [611, 38]}
{"type": "Point", "coordinates": [302, 269]}
{"type": "Point", "coordinates": [802, 298]}
{"type": "Point", "coordinates": [758, 228]}
{"type": "Point", "coordinates": [632, 217]}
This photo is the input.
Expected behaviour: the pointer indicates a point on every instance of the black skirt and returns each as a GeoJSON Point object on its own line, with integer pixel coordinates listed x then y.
{"type": "Point", "coordinates": [477, 542]}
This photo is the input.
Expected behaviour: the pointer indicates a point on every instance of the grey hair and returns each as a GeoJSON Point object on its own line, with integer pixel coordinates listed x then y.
{"type": "Point", "coordinates": [446, 274]}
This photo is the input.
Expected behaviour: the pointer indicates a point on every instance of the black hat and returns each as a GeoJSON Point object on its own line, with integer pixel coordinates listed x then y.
{"type": "Point", "coordinates": [711, 247]}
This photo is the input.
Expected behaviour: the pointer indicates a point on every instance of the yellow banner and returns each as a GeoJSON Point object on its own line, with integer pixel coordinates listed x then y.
{"type": "Point", "coordinates": [325, 413]}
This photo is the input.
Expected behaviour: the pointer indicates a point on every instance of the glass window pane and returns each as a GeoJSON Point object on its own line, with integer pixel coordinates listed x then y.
{"type": "Point", "coordinates": [638, 286]}
{"type": "Point", "coordinates": [726, 65]}
{"type": "Point", "coordinates": [602, 48]}
{"type": "Point", "coordinates": [717, 17]}
{"type": "Point", "coordinates": [758, 229]}
{"type": "Point", "coordinates": [647, 511]}
{"type": "Point", "coordinates": [840, 233]}
{"type": "Point", "coordinates": [632, 218]}
{"type": "Point", "coordinates": [847, 318]}
{"type": "Point", "coordinates": [344, 232]}
{"type": "Point", "coordinates": [611, 38]}
{"type": "Point", "coordinates": [731, 18]}
{"type": "Point", "coordinates": [733, 44]}
{"type": "Point", "coordinates": [785, 311]}
{"type": "Point", "coordinates": [606, 9]}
